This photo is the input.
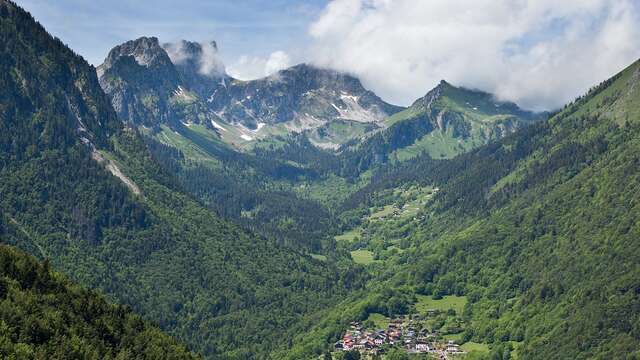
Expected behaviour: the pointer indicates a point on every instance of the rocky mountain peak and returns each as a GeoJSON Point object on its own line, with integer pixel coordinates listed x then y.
{"type": "Point", "coordinates": [303, 96]}
{"type": "Point", "coordinates": [434, 94]}
{"type": "Point", "coordinates": [313, 76]}
{"type": "Point", "coordinates": [145, 50]}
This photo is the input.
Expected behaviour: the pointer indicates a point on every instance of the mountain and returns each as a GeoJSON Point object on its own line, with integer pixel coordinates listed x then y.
{"type": "Point", "coordinates": [82, 189]}
{"type": "Point", "coordinates": [151, 83]}
{"type": "Point", "coordinates": [523, 248]}
{"type": "Point", "coordinates": [300, 98]}
{"type": "Point", "coordinates": [468, 115]}
{"type": "Point", "coordinates": [448, 121]}
{"type": "Point", "coordinates": [166, 89]}
{"type": "Point", "coordinates": [147, 88]}
{"type": "Point", "coordinates": [461, 218]}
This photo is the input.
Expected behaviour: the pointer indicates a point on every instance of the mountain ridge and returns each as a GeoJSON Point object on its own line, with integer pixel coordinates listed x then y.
{"type": "Point", "coordinates": [224, 290]}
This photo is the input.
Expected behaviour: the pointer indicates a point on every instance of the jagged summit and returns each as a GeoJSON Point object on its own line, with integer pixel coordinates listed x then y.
{"type": "Point", "coordinates": [151, 83]}
{"type": "Point", "coordinates": [432, 95]}
{"type": "Point", "coordinates": [145, 50]}
{"type": "Point", "coordinates": [303, 96]}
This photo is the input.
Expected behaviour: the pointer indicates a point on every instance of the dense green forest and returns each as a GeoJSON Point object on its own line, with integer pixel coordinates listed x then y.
{"type": "Point", "coordinates": [255, 191]}
{"type": "Point", "coordinates": [135, 236]}
{"type": "Point", "coordinates": [44, 316]}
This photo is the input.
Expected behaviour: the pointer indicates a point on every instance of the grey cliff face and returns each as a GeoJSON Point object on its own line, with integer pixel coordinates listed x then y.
{"type": "Point", "coordinates": [304, 94]}
{"type": "Point", "coordinates": [139, 78]}
{"type": "Point", "coordinates": [151, 83]}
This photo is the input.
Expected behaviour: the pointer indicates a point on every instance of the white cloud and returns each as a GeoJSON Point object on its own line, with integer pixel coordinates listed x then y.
{"type": "Point", "coordinates": [208, 60]}
{"type": "Point", "coordinates": [252, 67]}
{"type": "Point", "coordinates": [277, 61]}
{"type": "Point", "coordinates": [539, 53]}
{"type": "Point", "coordinates": [176, 52]}
{"type": "Point", "coordinates": [210, 63]}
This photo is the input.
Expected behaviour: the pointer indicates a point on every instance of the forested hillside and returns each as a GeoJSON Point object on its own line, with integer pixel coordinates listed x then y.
{"type": "Point", "coordinates": [84, 192]}
{"type": "Point", "coordinates": [536, 233]}
{"type": "Point", "coordinates": [44, 316]}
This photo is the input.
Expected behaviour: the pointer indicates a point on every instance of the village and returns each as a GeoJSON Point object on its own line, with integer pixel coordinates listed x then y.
{"type": "Point", "coordinates": [403, 332]}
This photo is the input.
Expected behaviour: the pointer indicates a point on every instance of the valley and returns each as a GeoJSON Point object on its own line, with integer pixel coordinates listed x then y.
{"type": "Point", "coordinates": [151, 207]}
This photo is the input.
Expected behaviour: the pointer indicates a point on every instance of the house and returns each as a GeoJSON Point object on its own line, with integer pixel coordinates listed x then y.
{"type": "Point", "coordinates": [432, 312]}
{"type": "Point", "coordinates": [422, 347]}
{"type": "Point", "coordinates": [453, 347]}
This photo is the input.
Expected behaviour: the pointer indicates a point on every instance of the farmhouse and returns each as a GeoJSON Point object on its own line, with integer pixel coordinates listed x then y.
{"type": "Point", "coordinates": [422, 347]}
{"type": "Point", "coordinates": [453, 347]}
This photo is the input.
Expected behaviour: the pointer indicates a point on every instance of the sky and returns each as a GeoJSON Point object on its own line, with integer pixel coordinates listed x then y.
{"type": "Point", "coordinates": [537, 53]}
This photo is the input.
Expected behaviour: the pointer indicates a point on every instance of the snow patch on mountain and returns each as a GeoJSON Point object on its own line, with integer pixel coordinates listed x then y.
{"type": "Point", "coordinates": [352, 110]}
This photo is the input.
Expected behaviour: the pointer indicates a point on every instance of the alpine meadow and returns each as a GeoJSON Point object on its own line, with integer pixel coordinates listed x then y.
{"type": "Point", "coordinates": [196, 199]}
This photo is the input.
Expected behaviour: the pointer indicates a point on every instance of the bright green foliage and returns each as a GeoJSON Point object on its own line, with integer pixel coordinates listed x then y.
{"type": "Point", "coordinates": [538, 231]}
{"type": "Point", "coordinates": [446, 122]}
{"type": "Point", "coordinates": [528, 245]}
{"type": "Point", "coordinates": [44, 316]}
{"type": "Point", "coordinates": [456, 303]}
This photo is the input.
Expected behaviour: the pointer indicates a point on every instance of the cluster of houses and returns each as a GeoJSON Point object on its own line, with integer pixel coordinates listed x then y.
{"type": "Point", "coordinates": [398, 334]}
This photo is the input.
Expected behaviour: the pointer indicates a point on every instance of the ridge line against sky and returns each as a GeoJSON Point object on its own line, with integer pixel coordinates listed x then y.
{"type": "Point", "coordinates": [538, 53]}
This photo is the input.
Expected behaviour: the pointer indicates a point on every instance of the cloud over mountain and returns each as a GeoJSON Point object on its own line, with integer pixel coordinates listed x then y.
{"type": "Point", "coordinates": [255, 67]}
{"type": "Point", "coordinates": [539, 53]}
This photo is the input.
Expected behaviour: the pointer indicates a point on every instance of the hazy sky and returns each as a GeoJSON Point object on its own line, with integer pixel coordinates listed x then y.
{"type": "Point", "coordinates": [539, 53]}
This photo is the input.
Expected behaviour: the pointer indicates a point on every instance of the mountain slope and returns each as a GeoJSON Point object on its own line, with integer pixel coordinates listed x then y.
{"type": "Point", "coordinates": [84, 192]}
{"type": "Point", "coordinates": [200, 148]}
{"type": "Point", "coordinates": [43, 315]}
{"type": "Point", "coordinates": [446, 122]}
{"type": "Point", "coordinates": [536, 233]}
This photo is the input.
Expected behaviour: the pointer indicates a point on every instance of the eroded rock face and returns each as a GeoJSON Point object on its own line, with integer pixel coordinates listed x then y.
{"type": "Point", "coordinates": [302, 94]}
{"type": "Point", "coordinates": [139, 78]}
{"type": "Point", "coordinates": [151, 83]}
